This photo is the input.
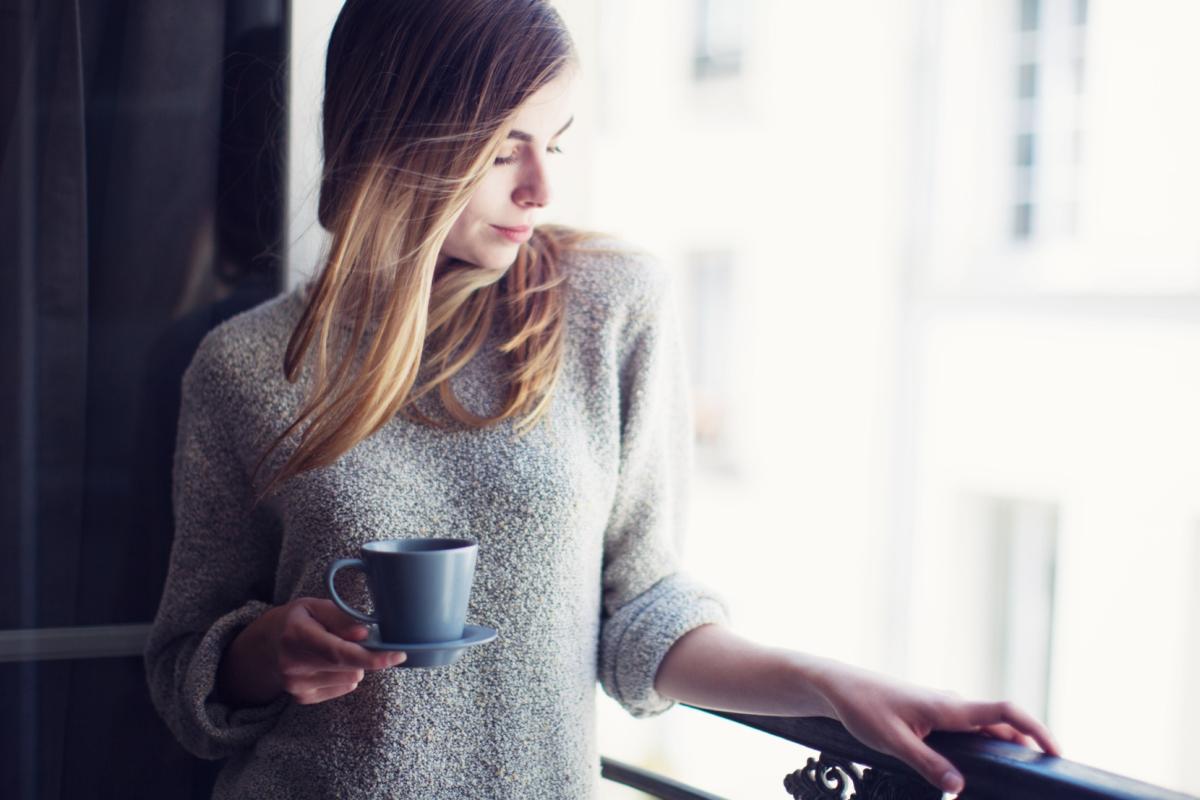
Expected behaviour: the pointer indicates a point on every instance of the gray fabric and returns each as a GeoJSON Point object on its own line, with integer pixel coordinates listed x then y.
{"type": "Point", "coordinates": [578, 525]}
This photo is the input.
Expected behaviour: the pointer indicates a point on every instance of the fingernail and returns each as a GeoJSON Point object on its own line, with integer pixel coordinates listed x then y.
{"type": "Point", "coordinates": [952, 782]}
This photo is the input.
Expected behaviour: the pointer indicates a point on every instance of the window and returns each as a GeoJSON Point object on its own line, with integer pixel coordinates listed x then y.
{"type": "Point", "coordinates": [710, 289]}
{"type": "Point", "coordinates": [1029, 14]}
{"type": "Point", "coordinates": [720, 27]}
{"type": "Point", "coordinates": [1050, 73]}
{"type": "Point", "coordinates": [998, 568]}
{"type": "Point", "coordinates": [1016, 569]}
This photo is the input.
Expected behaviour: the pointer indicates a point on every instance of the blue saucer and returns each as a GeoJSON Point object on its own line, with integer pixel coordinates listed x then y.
{"type": "Point", "coordinates": [431, 654]}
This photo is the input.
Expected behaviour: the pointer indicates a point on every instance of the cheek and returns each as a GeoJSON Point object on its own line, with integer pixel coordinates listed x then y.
{"type": "Point", "coordinates": [487, 205]}
{"type": "Point", "coordinates": [465, 226]}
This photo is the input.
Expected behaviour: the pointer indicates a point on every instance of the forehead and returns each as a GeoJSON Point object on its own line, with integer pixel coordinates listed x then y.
{"type": "Point", "coordinates": [547, 109]}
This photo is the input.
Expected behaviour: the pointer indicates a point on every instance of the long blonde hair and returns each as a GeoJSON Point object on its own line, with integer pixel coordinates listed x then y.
{"type": "Point", "coordinates": [418, 98]}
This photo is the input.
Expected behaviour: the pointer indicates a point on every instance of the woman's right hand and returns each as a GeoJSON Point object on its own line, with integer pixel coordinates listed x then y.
{"type": "Point", "coordinates": [307, 648]}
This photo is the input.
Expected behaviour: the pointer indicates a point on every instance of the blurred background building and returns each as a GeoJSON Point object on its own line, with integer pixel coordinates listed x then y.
{"type": "Point", "coordinates": [942, 267]}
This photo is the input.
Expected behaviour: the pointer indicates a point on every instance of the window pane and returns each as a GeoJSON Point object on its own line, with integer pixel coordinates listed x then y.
{"type": "Point", "coordinates": [1027, 81]}
{"type": "Point", "coordinates": [1030, 10]}
{"type": "Point", "coordinates": [1025, 150]}
{"type": "Point", "coordinates": [1023, 221]}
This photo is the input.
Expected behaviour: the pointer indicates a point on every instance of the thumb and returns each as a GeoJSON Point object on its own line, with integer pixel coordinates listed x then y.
{"type": "Point", "coordinates": [336, 621]}
{"type": "Point", "coordinates": [931, 766]}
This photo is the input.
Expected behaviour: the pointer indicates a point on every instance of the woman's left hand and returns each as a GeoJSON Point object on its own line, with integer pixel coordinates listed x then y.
{"type": "Point", "coordinates": [894, 717]}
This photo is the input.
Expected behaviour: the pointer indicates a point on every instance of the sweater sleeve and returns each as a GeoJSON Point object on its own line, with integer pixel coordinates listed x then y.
{"type": "Point", "coordinates": [648, 603]}
{"type": "Point", "coordinates": [220, 574]}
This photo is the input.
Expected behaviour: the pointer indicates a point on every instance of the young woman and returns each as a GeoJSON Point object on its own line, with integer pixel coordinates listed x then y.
{"type": "Point", "coordinates": [457, 369]}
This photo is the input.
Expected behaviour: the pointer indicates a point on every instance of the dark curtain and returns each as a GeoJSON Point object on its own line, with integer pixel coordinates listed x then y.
{"type": "Point", "coordinates": [141, 197]}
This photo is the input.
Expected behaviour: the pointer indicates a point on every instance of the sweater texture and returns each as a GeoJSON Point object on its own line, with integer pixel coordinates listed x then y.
{"type": "Point", "coordinates": [578, 524]}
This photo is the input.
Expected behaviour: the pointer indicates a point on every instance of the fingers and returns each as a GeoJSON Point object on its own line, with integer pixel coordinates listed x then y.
{"type": "Point", "coordinates": [309, 686]}
{"type": "Point", "coordinates": [387, 660]}
{"type": "Point", "coordinates": [321, 695]}
{"type": "Point", "coordinates": [332, 652]}
{"type": "Point", "coordinates": [308, 645]}
{"type": "Point", "coordinates": [336, 650]}
{"type": "Point", "coordinates": [931, 765]}
{"type": "Point", "coordinates": [325, 679]}
{"type": "Point", "coordinates": [1002, 730]}
{"type": "Point", "coordinates": [335, 620]}
{"type": "Point", "coordinates": [1013, 725]}
{"type": "Point", "coordinates": [985, 713]}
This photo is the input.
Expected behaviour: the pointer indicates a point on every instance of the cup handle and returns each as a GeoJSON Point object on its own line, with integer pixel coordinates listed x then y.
{"type": "Point", "coordinates": [333, 568]}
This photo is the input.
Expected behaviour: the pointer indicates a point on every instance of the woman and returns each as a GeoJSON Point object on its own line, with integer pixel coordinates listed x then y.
{"type": "Point", "coordinates": [455, 369]}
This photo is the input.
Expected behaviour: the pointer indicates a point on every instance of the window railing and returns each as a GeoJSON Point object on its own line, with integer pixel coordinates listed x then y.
{"type": "Point", "coordinates": [845, 768]}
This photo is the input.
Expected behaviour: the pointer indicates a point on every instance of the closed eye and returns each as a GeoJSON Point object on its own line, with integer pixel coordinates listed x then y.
{"type": "Point", "coordinates": [510, 159]}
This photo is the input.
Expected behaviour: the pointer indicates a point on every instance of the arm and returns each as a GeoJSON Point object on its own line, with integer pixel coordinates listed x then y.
{"type": "Point", "coordinates": [648, 602]}
{"type": "Point", "coordinates": [222, 660]}
{"type": "Point", "coordinates": [711, 667]}
{"type": "Point", "coordinates": [221, 569]}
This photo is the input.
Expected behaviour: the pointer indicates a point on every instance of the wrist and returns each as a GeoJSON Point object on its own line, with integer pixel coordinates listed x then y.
{"type": "Point", "coordinates": [246, 675]}
{"type": "Point", "coordinates": [812, 676]}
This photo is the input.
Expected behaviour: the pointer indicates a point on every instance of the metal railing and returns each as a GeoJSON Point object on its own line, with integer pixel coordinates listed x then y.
{"type": "Point", "coordinates": [89, 641]}
{"type": "Point", "coordinates": [846, 768]}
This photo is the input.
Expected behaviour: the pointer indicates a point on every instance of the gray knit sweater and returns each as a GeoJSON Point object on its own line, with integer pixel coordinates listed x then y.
{"type": "Point", "coordinates": [577, 523]}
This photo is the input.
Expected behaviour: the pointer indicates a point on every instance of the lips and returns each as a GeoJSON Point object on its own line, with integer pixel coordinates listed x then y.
{"type": "Point", "coordinates": [517, 234]}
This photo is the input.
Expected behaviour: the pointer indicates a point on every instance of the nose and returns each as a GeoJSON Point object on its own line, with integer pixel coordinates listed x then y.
{"type": "Point", "coordinates": [534, 187]}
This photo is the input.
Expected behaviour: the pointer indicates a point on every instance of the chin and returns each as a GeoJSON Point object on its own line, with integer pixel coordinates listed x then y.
{"type": "Point", "coordinates": [496, 261]}
{"type": "Point", "coordinates": [499, 261]}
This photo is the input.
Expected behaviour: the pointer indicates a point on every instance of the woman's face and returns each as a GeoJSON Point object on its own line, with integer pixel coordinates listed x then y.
{"type": "Point", "coordinates": [508, 203]}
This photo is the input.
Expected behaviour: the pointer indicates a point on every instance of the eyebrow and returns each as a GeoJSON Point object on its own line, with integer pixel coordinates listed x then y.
{"type": "Point", "coordinates": [525, 137]}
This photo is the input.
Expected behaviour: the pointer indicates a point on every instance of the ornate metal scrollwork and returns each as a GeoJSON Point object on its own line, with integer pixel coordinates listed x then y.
{"type": "Point", "coordinates": [829, 778]}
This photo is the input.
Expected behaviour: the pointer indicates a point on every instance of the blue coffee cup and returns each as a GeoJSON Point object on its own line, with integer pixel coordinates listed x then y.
{"type": "Point", "coordinates": [420, 587]}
